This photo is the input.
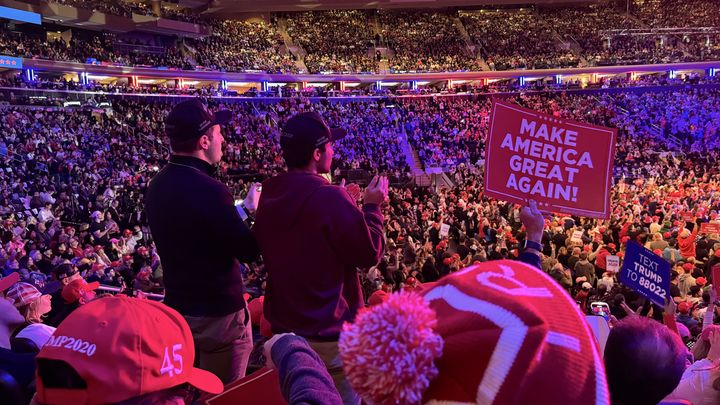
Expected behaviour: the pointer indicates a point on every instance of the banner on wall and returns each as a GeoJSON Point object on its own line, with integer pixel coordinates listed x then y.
{"type": "Point", "coordinates": [10, 62]}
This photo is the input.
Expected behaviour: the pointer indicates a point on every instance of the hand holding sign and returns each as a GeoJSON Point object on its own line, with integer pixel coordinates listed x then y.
{"type": "Point", "coordinates": [532, 218]}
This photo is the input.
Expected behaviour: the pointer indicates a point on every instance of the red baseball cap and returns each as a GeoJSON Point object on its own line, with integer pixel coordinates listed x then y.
{"type": "Point", "coordinates": [122, 348]}
{"type": "Point", "coordinates": [7, 281]}
{"type": "Point", "coordinates": [75, 289]}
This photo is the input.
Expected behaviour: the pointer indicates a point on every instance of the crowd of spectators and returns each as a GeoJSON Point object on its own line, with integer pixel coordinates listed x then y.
{"type": "Point", "coordinates": [677, 13]}
{"type": "Point", "coordinates": [425, 41]}
{"type": "Point", "coordinates": [128, 8]}
{"type": "Point", "coordinates": [417, 41]}
{"type": "Point", "coordinates": [347, 50]}
{"type": "Point", "coordinates": [590, 28]}
{"type": "Point", "coordinates": [517, 39]}
{"type": "Point", "coordinates": [82, 47]}
{"type": "Point", "coordinates": [237, 46]}
{"type": "Point", "coordinates": [73, 180]}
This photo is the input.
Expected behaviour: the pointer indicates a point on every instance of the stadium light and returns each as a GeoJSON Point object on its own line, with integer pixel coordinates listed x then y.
{"type": "Point", "coordinates": [30, 75]}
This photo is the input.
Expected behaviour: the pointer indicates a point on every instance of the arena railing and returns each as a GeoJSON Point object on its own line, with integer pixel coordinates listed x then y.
{"type": "Point", "coordinates": [216, 76]}
{"type": "Point", "coordinates": [112, 290]}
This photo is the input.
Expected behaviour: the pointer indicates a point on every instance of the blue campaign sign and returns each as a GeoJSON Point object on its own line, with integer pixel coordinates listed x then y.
{"type": "Point", "coordinates": [10, 62]}
{"type": "Point", "coordinates": [646, 273]}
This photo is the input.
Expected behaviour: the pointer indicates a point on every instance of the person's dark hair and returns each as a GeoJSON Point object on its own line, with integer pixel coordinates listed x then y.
{"type": "Point", "coordinates": [59, 374]}
{"type": "Point", "coordinates": [188, 145]}
{"type": "Point", "coordinates": [644, 361]}
{"type": "Point", "coordinates": [297, 159]}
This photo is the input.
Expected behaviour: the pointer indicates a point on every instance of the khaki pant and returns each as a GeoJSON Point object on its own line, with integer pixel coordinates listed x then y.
{"type": "Point", "coordinates": [222, 344]}
{"type": "Point", "coordinates": [330, 355]}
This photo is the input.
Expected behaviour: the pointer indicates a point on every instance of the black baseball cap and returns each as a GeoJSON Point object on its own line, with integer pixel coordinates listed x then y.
{"type": "Point", "coordinates": [307, 131]}
{"type": "Point", "coordinates": [191, 118]}
{"type": "Point", "coordinates": [64, 270]}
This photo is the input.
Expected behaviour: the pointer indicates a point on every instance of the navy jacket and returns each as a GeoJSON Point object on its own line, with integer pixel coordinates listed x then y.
{"type": "Point", "coordinates": [200, 238]}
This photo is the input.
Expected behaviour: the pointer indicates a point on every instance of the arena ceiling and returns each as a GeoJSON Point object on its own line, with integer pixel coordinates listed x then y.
{"type": "Point", "coordinates": [228, 7]}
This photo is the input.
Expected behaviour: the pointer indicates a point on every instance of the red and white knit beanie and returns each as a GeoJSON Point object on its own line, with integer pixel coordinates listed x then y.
{"type": "Point", "coordinates": [500, 332]}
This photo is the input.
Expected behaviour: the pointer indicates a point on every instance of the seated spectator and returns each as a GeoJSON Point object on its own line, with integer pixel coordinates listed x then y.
{"type": "Point", "coordinates": [74, 295]}
{"type": "Point", "coordinates": [132, 351]}
{"type": "Point", "coordinates": [33, 306]}
{"type": "Point", "coordinates": [21, 366]}
{"type": "Point", "coordinates": [65, 273]}
{"type": "Point", "coordinates": [644, 361]}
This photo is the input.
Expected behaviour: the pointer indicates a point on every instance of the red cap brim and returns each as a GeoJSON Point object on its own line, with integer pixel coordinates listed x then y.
{"type": "Point", "coordinates": [7, 281]}
{"type": "Point", "coordinates": [205, 381]}
{"type": "Point", "coordinates": [91, 286]}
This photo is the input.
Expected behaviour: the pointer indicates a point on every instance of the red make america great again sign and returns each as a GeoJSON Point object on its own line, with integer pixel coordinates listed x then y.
{"type": "Point", "coordinates": [565, 166]}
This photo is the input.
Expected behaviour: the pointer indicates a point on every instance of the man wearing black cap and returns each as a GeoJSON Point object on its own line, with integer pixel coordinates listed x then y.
{"type": "Point", "coordinates": [201, 240]}
{"type": "Point", "coordinates": [313, 238]}
{"type": "Point", "coordinates": [64, 273]}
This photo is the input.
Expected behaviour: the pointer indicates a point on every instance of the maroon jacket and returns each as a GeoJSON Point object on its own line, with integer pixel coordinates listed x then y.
{"type": "Point", "coordinates": [313, 238]}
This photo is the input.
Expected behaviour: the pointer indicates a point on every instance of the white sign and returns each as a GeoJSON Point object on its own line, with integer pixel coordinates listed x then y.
{"type": "Point", "coordinates": [612, 263]}
{"type": "Point", "coordinates": [444, 230]}
{"type": "Point", "coordinates": [577, 237]}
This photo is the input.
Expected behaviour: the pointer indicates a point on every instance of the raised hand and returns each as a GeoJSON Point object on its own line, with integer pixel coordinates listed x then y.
{"type": "Point", "coordinates": [377, 191]}
{"type": "Point", "coordinates": [534, 222]}
{"type": "Point", "coordinates": [252, 198]}
{"type": "Point", "coordinates": [353, 189]}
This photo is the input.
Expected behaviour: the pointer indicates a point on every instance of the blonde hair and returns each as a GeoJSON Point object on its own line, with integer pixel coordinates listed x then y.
{"type": "Point", "coordinates": [31, 311]}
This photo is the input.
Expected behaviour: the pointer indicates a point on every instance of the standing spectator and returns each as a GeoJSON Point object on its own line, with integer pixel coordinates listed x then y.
{"type": "Point", "coordinates": [313, 238]}
{"type": "Point", "coordinates": [686, 241]}
{"type": "Point", "coordinates": [573, 259]}
{"type": "Point", "coordinates": [584, 270]}
{"type": "Point", "coordinates": [201, 240]}
{"type": "Point", "coordinates": [562, 276]}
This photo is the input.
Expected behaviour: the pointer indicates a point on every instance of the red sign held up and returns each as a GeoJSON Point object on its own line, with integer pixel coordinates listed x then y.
{"type": "Point", "coordinates": [708, 228]}
{"type": "Point", "coordinates": [565, 166]}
